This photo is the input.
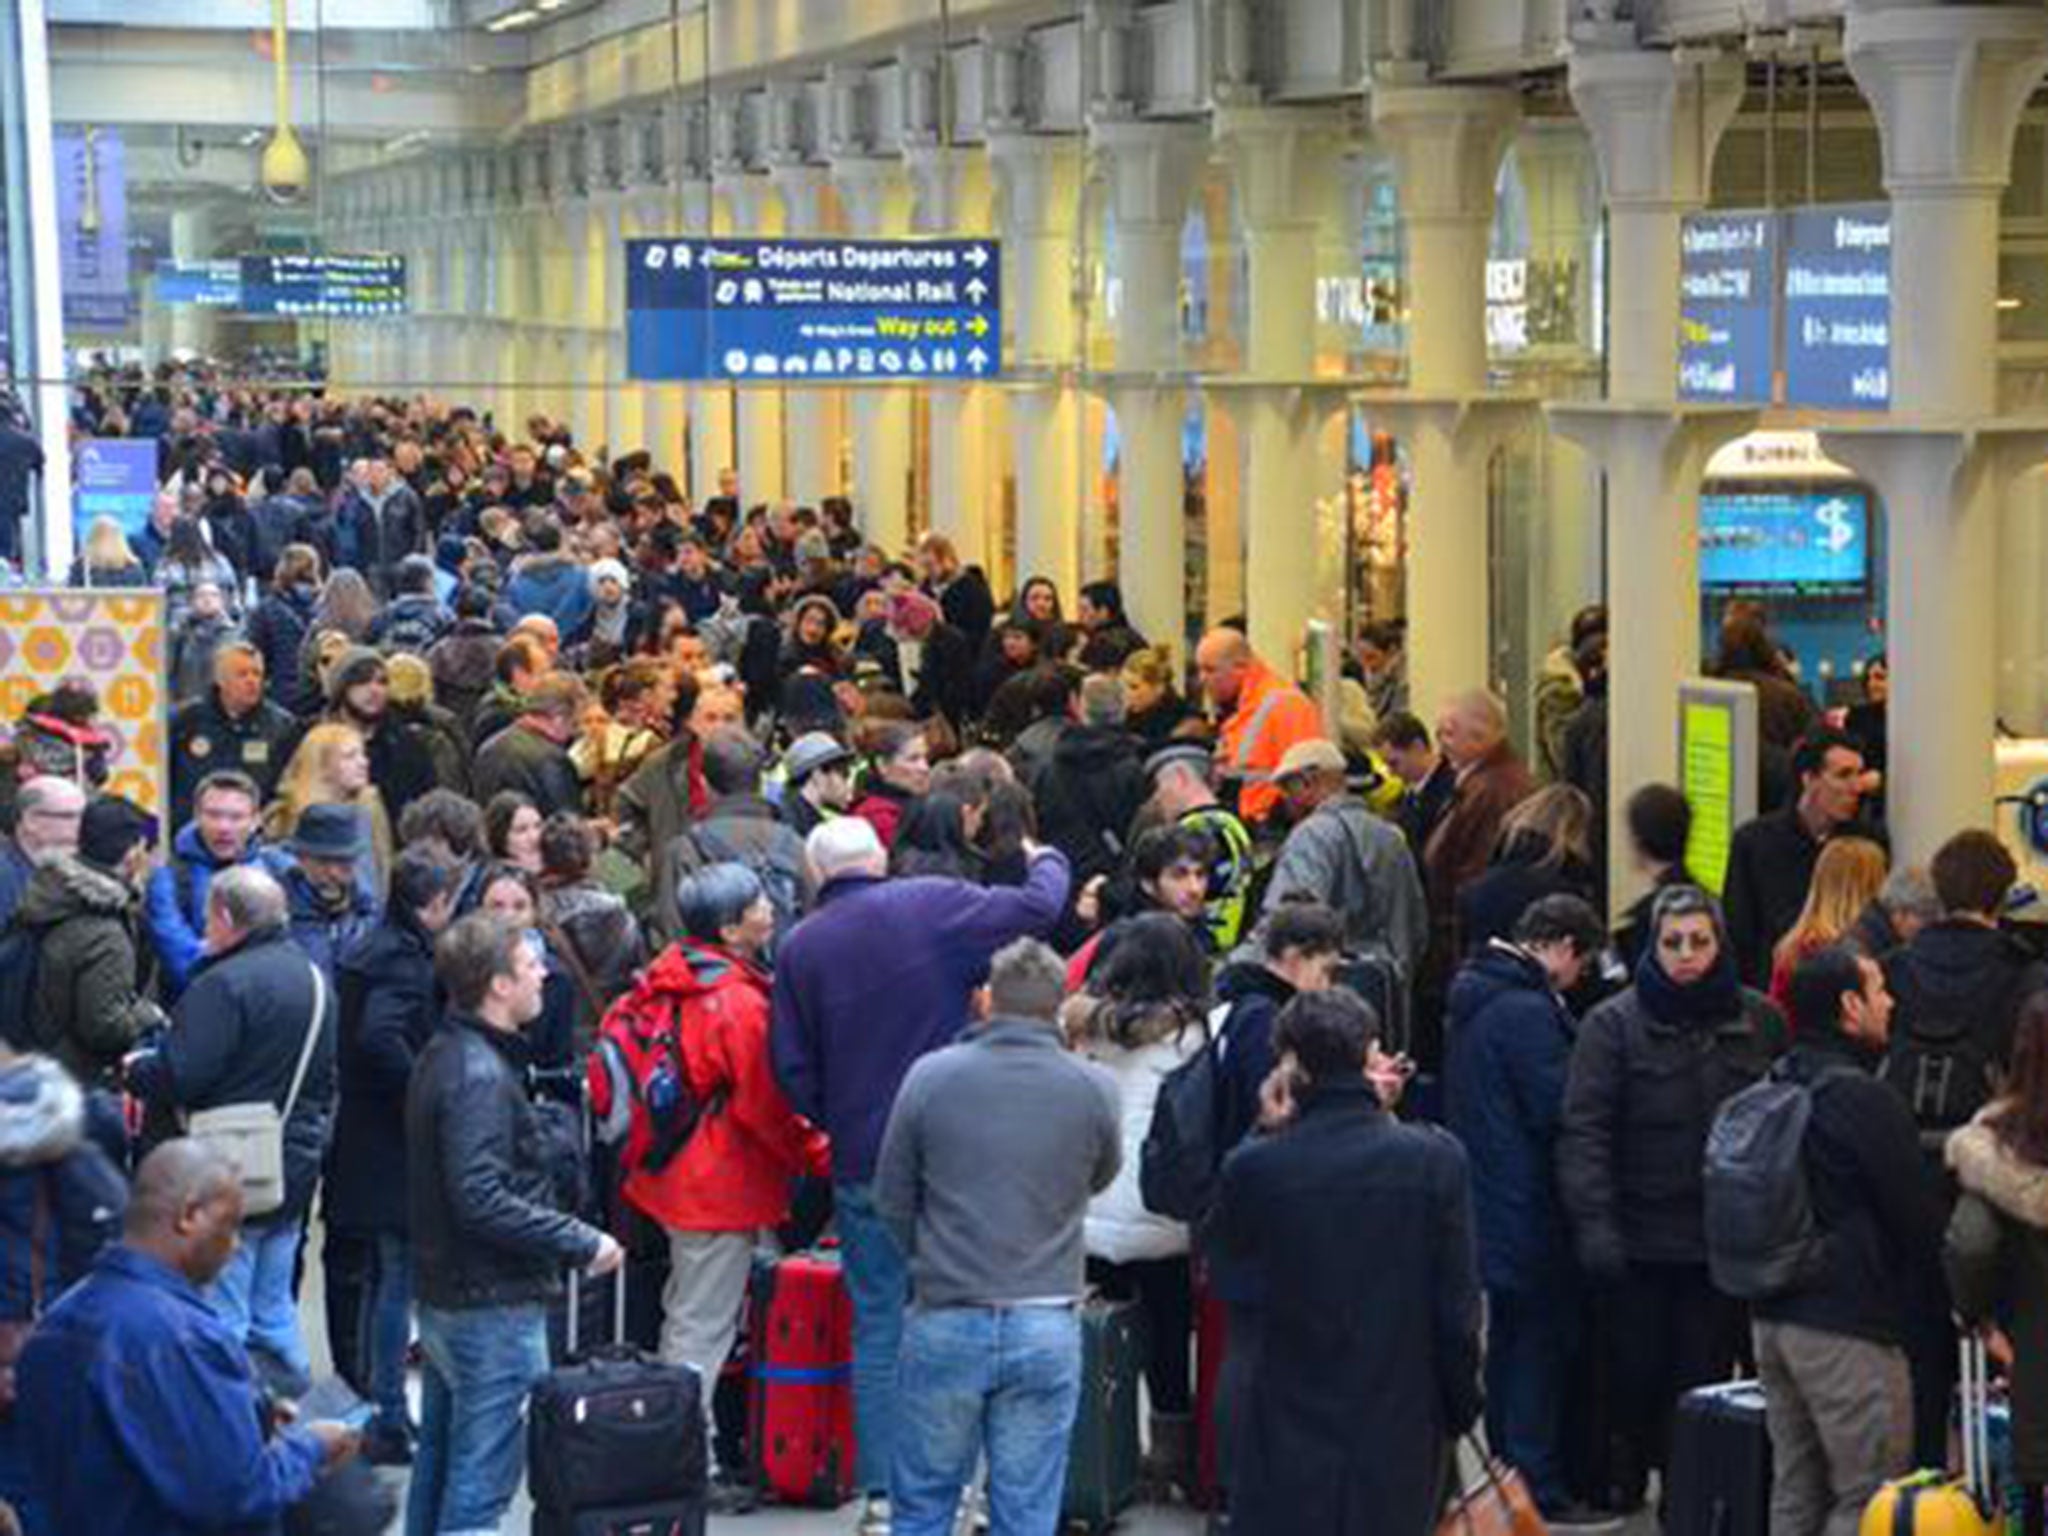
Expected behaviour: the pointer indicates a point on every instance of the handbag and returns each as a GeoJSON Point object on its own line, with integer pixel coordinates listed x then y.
{"type": "Point", "coordinates": [14, 1332]}
{"type": "Point", "coordinates": [1499, 1504]}
{"type": "Point", "coordinates": [252, 1135]}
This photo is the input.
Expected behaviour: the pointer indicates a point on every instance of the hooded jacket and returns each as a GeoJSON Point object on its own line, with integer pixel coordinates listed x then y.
{"type": "Point", "coordinates": [1087, 797]}
{"type": "Point", "coordinates": [90, 1007]}
{"type": "Point", "coordinates": [734, 1173]}
{"type": "Point", "coordinates": [1359, 865]}
{"type": "Point", "coordinates": [553, 583]}
{"type": "Point", "coordinates": [176, 903]}
{"type": "Point", "coordinates": [46, 1160]}
{"type": "Point", "coordinates": [1508, 1040]}
{"type": "Point", "coordinates": [1997, 1260]}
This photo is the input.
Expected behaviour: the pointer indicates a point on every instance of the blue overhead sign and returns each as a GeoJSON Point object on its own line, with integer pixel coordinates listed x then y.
{"type": "Point", "coordinates": [1727, 280]}
{"type": "Point", "coordinates": [113, 477]}
{"type": "Point", "coordinates": [1838, 307]}
{"type": "Point", "coordinates": [813, 309]}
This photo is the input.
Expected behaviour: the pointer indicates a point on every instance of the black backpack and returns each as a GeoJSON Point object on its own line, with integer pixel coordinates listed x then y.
{"type": "Point", "coordinates": [1762, 1236]}
{"type": "Point", "coordinates": [21, 963]}
{"type": "Point", "coordinates": [1943, 1059]}
{"type": "Point", "coordinates": [1181, 1165]}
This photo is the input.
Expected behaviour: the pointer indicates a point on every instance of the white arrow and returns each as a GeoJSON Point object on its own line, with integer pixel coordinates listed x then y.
{"type": "Point", "coordinates": [977, 290]}
{"type": "Point", "coordinates": [977, 359]}
{"type": "Point", "coordinates": [977, 256]}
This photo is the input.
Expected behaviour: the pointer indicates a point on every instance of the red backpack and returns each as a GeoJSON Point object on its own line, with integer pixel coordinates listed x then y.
{"type": "Point", "coordinates": [640, 1090]}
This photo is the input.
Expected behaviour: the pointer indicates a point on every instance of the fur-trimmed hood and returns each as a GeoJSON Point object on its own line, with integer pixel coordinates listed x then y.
{"type": "Point", "coordinates": [1987, 1167]}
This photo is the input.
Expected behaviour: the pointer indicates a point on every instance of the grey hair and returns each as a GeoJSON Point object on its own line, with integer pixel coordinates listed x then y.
{"type": "Point", "coordinates": [714, 898]}
{"type": "Point", "coordinates": [45, 790]}
{"type": "Point", "coordinates": [1026, 980]}
{"type": "Point", "coordinates": [1908, 891]}
{"type": "Point", "coordinates": [249, 898]}
{"type": "Point", "coordinates": [1688, 901]}
{"type": "Point", "coordinates": [845, 845]}
{"type": "Point", "coordinates": [1102, 700]}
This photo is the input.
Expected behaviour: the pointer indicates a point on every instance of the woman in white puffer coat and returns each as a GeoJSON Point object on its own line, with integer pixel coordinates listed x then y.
{"type": "Point", "coordinates": [1141, 1017]}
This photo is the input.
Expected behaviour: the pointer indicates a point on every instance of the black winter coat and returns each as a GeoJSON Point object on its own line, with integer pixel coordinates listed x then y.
{"type": "Point", "coordinates": [235, 1038]}
{"type": "Point", "coordinates": [945, 676]}
{"type": "Point", "coordinates": [56, 1187]}
{"type": "Point", "coordinates": [389, 1005]}
{"type": "Point", "coordinates": [1638, 1102]}
{"type": "Point", "coordinates": [486, 1228]}
{"type": "Point", "coordinates": [206, 738]}
{"type": "Point", "coordinates": [278, 629]}
{"type": "Point", "coordinates": [1087, 797]}
{"type": "Point", "coordinates": [1863, 1174]}
{"type": "Point", "coordinates": [1364, 1356]}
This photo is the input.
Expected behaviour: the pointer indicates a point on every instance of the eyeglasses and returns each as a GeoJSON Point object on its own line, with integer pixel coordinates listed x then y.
{"type": "Point", "coordinates": [1686, 943]}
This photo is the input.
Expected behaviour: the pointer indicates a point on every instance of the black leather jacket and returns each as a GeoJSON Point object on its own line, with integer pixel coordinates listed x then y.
{"type": "Point", "coordinates": [486, 1228]}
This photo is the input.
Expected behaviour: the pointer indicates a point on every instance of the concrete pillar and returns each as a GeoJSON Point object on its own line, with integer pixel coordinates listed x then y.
{"type": "Point", "coordinates": [1947, 85]}
{"type": "Point", "coordinates": [876, 201]}
{"type": "Point", "coordinates": [1655, 124]}
{"type": "Point", "coordinates": [1040, 193]}
{"type": "Point", "coordinates": [810, 411]}
{"type": "Point", "coordinates": [191, 327]}
{"type": "Point", "coordinates": [751, 211]}
{"type": "Point", "coordinates": [1447, 143]}
{"type": "Point", "coordinates": [949, 196]}
{"type": "Point", "coordinates": [1151, 168]}
{"type": "Point", "coordinates": [1282, 159]}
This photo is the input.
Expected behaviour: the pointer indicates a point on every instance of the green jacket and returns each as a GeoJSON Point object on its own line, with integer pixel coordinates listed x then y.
{"type": "Point", "coordinates": [90, 1007]}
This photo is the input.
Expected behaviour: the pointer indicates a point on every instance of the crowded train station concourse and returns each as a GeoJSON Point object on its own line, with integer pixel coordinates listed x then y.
{"type": "Point", "coordinates": [930, 766]}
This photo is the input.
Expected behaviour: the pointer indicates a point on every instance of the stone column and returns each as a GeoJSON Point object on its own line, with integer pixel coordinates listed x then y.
{"type": "Point", "coordinates": [876, 201]}
{"type": "Point", "coordinates": [752, 211]}
{"type": "Point", "coordinates": [1151, 169]}
{"type": "Point", "coordinates": [940, 180]}
{"type": "Point", "coordinates": [1040, 192]}
{"type": "Point", "coordinates": [1282, 158]}
{"type": "Point", "coordinates": [1655, 124]}
{"type": "Point", "coordinates": [1947, 85]}
{"type": "Point", "coordinates": [810, 410]}
{"type": "Point", "coordinates": [1447, 143]}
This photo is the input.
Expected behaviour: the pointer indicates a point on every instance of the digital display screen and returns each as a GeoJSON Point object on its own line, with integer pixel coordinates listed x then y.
{"type": "Point", "coordinates": [345, 286]}
{"type": "Point", "coordinates": [1812, 541]}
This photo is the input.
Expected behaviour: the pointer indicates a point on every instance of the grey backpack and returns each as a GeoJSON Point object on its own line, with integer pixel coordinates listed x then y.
{"type": "Point", "coordinates": [1763, 1238]}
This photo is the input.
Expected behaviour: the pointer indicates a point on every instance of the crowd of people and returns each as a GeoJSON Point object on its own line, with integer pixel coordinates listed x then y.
{"type": "Point", "coordinates": [512, 796]}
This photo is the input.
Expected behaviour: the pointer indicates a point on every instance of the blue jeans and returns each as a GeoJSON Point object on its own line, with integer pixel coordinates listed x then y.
{"type": "Point", "coordinates": [878, 1284]}
{"type": "Point", "coordinates": [1531, 1337]}
{"type": "Point", "coordinates": [1005, 1380]}
{"type": "Point", "coordinates": [253, 1295]}
{"type": "Point", "coordinates": [480, 1365]}
{"type": "Point", "coordinates": [17, 1487]}
{"type": "Point", "coordinates": [387, 1326]}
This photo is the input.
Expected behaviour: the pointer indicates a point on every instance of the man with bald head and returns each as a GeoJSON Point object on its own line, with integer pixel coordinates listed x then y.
{"type": "Point", "coordinates": [138, 1405]}
{"type": "Point", "coordinates": [1261, 715]}
{"type": "Point", "coordinates": [46, 816]}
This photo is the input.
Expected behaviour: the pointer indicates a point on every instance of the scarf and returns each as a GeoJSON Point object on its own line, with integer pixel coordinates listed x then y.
{"type": "Point", "coordinates": [1716, 998]}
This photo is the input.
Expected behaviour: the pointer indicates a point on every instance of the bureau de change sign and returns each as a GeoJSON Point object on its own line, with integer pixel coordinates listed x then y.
{"type": "Point", "coordinates": [832, 310]}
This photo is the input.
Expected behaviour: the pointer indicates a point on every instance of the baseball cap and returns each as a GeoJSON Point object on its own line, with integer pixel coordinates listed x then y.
{"type": "Point", "coordinates": [1314, 755]}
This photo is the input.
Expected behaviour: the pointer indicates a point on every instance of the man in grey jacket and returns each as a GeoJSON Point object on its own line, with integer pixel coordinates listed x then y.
{"type": "Point", "coordinates": [1342, 855]}
{"type": "Point", "coordinates": [740, 827]}
{"type": "Point", "coordinates": [987, 1199]}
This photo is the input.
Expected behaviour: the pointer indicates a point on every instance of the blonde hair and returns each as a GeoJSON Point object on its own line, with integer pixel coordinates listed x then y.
{"type": "Point", "coordinates": [1846, 878]}
{"type": "Point", "coordinates": [1557, 819]}
{"type": "Point", "coordinates": [308, 779]}
{"type": "Point", "coordinates": [107, 547]}
{"type": "Point", "coordinates": [1153, 666]}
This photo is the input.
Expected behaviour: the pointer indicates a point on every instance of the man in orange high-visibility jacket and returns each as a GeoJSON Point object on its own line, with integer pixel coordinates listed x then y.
{"type": "Point", "coordinates": [1262, 717]}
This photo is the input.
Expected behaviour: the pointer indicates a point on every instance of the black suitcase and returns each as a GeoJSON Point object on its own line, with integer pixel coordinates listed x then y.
{"type": "Point", "coordinates": [1102, 1451]}
{"type": "Point", "coordinates": [614, 1433]}
{"type": "Point", "coordinates": [676, 1517]}
{"type": "Point", "coordinates": [1719, 1480]}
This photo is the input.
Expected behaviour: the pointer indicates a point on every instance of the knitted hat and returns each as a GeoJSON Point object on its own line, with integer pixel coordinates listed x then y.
{"type": "Point", "coordinates": [357, 666]}
{"type": "Point", "coordinates": [110, 827]}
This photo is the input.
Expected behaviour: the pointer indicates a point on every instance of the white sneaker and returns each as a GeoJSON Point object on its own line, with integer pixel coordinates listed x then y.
{"type": "Point", "coordinates": [874, 1517]}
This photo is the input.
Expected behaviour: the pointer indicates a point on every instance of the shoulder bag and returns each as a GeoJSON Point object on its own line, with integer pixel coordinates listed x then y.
{"type": "Point", "coordinates": [252, 1135]}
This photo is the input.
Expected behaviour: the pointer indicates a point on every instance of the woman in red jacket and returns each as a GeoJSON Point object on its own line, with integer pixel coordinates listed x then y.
{"type": "Point", "coordinates": [682, 1072]}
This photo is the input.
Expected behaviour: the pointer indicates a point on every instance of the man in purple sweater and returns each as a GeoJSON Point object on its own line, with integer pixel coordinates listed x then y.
{"type": "Point", "coordinates": [881, 973]}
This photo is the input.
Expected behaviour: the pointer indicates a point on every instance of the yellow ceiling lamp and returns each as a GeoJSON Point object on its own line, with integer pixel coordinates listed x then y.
{"type": "Point", "coordinates": [286, 172]}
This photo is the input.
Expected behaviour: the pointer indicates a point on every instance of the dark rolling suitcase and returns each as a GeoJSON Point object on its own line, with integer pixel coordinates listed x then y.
{"type": "Point", "coordinates": [615, 1435]}
{"type": "Point", "coordinates": [1378, 980]}
{"type": "Point", "coordinates": [1102, 1453]}
{"type": "Point", "coordinates": [800, 1381]}
{"type": "Point", "coordinates": [1719, 1481]}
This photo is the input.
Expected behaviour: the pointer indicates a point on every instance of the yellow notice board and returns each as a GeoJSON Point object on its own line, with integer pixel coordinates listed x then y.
{"type": "Point", "coordinates": [112, 640]}
{"type": "Point", "coordinates": [1717, 770]}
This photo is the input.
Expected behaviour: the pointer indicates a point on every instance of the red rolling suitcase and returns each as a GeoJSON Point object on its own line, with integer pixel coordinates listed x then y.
{"type": "Point", "coordinates": [1211, 1340]}
{"type": "Point", "coordinates": [800, 1388]}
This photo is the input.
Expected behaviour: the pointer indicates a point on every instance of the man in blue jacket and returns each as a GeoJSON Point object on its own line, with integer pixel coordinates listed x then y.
{"type": "Point", "coordinates": [881, 973]}
{"type": "Point", "coordinates": [1509, 1042]}
{"type": "Point", "coordinates": [137, 1402]}
{"type": "Point", "coordinates": [220, 835]}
